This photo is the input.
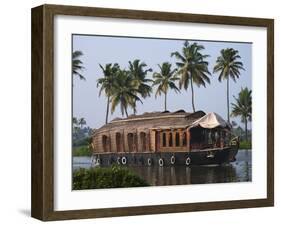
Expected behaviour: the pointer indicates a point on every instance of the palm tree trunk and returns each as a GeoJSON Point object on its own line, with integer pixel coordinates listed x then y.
{"type": "Point", "coordinates": [227, 90]}
{"type": "Point", "coordinates": [246, 129]}
{"type": "Point", "coordinates": [192, 94]}
{"type": "Point", "coordinates": [126, 112]}
{"type": "Point", "coordinates": [165, 101]}
{"type": "Point", "coordinates": [107, 110]}
{"type": "Point", "coordinates": [135, 107]}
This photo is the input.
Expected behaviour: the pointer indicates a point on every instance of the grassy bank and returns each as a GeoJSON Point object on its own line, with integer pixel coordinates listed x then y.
{"type": "Point", "coordinates": [245, 145]}
{"type": "Point", "coordinates": [112, 177]}
{"type": "Point", "coordinates": [81, 151]}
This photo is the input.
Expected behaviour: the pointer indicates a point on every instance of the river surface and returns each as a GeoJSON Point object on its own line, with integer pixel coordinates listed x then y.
{"type": "Point", "coordinates": [238, 171]}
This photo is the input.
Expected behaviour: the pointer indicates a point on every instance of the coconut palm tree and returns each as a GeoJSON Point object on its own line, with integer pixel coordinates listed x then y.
{"type": "Point", "coordinates": [141, 82]}
{"type": "Point", "coordinates": [243, 107]}
{"type": "Point", "coordinates": [165, 80]}
{"type": "Point", "coordinates": [233, 123]}
{"type": "Point", "coordinates": [74, 121]}
{"type": "Point", "coordinates": [123, 92]}
{"type": "Point", "coordinates": [77, 64]}
{"type": "Point", "coordinates": [106, 83]}
{"type": "Point", "coordinates": [75, 127]}
{"type": "Point", "coordinates": [228, 66]}
{"type": "Point", "coordinates": [192, 67]}
{"type": "Point", "coordinates": [81, 122]}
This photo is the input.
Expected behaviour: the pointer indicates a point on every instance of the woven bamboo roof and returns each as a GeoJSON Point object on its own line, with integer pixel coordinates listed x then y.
{"type": "Point", "coordinates": [153, 120]}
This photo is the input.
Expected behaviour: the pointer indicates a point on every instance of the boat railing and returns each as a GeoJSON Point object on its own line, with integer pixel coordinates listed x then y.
{"type": "Point", "coordinates": [219, 144]}
{"type": "Point", "coordinates": [208, 146]}
{"type": "Point", "coordinates": [234, 141]}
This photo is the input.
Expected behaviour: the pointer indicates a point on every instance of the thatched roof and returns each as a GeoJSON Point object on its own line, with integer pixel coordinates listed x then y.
{"type": "Point", "coordinates": [156, 120]}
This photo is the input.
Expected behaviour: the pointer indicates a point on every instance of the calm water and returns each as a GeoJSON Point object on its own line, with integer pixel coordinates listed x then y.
{"type": "Point", "coordinates": [240, 170]}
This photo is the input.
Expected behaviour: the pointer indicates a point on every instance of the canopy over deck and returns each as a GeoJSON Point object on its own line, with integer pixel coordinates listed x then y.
{"type": "Point", "coordinates": [210, 121]}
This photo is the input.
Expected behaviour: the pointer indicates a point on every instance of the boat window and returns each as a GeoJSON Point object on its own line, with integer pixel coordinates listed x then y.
{"type": "Point", "coordinates": [164, 139]}
{"type": "Point", "coordinates": [135, 147]}
{"type": "Point", "coordinates": [118, 142]}
{"type": "Point", "coordinates": [130, 137]}
{"type": "Point", "coordinates": [105, 143]}
{"type": "Point", "coordinates": [170, 139]}
{"type": "Point", "coordinates": [210, 136]}
{"type": "Point", "coordinates": [143, 141]}
{"type": "Point", "coordinates": [197, 137]}
{"type": "Point", "coordinates": [177, 139]}
{"type": "Point", "coordinates": [184, 139]}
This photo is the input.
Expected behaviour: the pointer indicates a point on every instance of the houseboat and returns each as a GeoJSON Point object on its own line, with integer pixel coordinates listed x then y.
{"type": "Point", "coordinates": [165, 139]}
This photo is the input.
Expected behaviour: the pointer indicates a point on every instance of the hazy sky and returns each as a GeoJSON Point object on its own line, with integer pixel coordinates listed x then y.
{"type": "Point", "coordinates": [102, 50]}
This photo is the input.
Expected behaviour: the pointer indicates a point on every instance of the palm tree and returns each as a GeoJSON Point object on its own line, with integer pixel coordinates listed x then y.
{"type": "Point", "coordinates": [233, 123]}
{"type": "Point", "coordinates": [243, 107]}
{"type": "Point", "coordinates": [75, 126]}
{"type": "Point", "coordinates": [192, 67]}
{"type": "Point", "coordinates": [229, 66]}
{"type": "Point", "coordinates": [81, 122]}
{"type": "Point", "coordinates": [123, 92]}
{"type": "Point", "coordinates": [239, 131]}
{"type": "Point", "coordinates": [77, 64]}
{"type": "Point", "coordinates": [74, 121]}
{"type": "Point", "coordinates": [106, 83]}
{"type": "Point", "coordinates": [139, 75]}
{"type": "Point", "coordinates": [165, 80]}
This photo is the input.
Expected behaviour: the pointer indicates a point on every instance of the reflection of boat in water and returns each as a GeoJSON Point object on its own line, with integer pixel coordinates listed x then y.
{"type": "Point", "coordinates": [179, 175]}
{"type": "Point", "coordinates": [165, 138]}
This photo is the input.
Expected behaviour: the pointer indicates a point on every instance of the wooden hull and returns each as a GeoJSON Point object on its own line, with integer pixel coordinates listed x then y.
{"type": "Point", "coordinates": [195, 157]}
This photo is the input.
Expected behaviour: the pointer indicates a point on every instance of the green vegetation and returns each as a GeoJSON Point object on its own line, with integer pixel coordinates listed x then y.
{"type": "Point", "coordinates": [81, 134]}
{"type": "Point", "coordinates": [140, 81]}
{"type": "Point", "coordinates": [82, 151]}
{"type": "Point", "coordinates": [243, 107]}
{"type": "Point", "coordinates": [245, 145]}
{"type": "Point", "coordinates": [228, 66]}
{"type": "Point", "coordinates": [239, 131]}
{"type": "Point", "coordinates": [106, 83]}
{"type": "Point", "coordinates": [192, 67]}
{"type": "Point", "coordinates": [124, 92]}
{"type": "Point", "coordinates": [112, 177]}
{"type": "Point", "coordinates": [124, 87]}
{"type": "Point", "coordinates": [165, 80]}
{"type": "Point", "coordinates": [81, 122]}
{"type": "Point", "coordinates": [81, 142]}
{"type": "Point", "coordinates": [77, 64]}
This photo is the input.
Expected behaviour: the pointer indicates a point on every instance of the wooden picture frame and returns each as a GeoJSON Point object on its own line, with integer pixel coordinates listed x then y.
{"type": "Point", "coordinates": [42, 203]}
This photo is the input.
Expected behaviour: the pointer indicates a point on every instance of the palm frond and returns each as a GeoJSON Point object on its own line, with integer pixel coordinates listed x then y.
{"type": "Point", "coordinates": [77, 64]}
{"type": "Point", "coordinates": [228, 64]}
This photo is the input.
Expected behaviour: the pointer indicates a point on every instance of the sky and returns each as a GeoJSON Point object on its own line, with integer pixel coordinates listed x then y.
{"type": "Point", "coordinates": [109, 49]}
